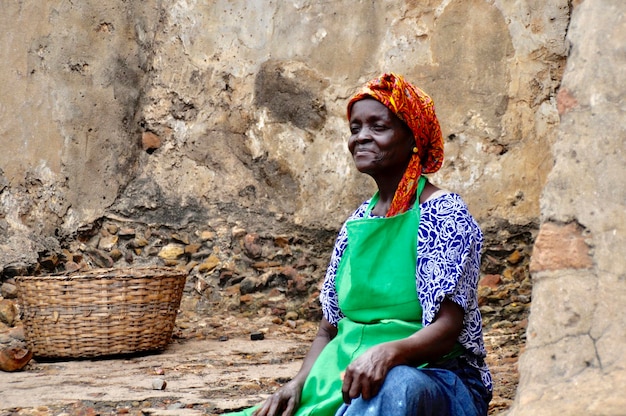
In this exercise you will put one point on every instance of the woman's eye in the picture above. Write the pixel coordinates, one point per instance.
(354, 129)
(379, 127)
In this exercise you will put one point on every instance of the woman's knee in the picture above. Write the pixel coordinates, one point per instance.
(405, 391)
(408, 380)
(413, 392)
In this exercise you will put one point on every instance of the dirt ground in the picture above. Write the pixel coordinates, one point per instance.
(211, 367)
(202, 376)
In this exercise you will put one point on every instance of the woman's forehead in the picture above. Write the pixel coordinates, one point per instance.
(369, 107)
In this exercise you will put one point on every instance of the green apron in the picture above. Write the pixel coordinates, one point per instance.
(376, 289)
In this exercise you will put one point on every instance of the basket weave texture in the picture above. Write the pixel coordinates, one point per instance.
(101, 311)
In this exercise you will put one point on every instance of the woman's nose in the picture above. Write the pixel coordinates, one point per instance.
(364, 134)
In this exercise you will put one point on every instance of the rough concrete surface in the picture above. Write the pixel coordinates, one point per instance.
(576, 344)
(207, 372)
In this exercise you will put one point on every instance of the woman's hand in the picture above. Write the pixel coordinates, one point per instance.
(284, 402)
(365, 375)
(287, 398)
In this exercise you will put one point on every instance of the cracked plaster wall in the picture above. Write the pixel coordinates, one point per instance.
(576, 344)
(247, 102)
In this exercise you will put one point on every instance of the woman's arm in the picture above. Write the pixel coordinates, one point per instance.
(366, 374)
(325, 333)
(287, 398)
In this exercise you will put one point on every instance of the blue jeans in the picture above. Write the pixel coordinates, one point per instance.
(454, 389)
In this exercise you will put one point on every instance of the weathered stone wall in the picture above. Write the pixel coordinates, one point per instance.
(189, 111)
(576, 352)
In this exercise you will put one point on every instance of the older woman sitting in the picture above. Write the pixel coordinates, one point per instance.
(401, 332)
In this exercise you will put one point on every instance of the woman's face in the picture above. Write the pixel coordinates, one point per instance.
(381, 144)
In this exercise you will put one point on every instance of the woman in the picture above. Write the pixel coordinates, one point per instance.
(401, 332)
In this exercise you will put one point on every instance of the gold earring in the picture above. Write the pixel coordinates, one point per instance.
(415, 149)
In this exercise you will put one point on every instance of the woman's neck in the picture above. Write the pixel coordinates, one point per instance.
(386, 192)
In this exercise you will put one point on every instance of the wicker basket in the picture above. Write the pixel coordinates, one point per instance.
(100, 312)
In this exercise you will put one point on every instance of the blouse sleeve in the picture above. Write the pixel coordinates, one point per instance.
(448, 266)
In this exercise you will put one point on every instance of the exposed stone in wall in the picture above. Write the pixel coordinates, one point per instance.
(575, 356)
(560, 247)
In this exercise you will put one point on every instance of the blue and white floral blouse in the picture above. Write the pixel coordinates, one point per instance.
(448, 265)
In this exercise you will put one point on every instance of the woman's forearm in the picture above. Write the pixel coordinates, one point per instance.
(433, 341)
(325, 334)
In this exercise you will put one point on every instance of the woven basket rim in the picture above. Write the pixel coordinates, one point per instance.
(111, 273)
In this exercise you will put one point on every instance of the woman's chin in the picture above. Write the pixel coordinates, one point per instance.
(367, 169)
(362, 160)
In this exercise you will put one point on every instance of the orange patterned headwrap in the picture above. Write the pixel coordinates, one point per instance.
(414, 107)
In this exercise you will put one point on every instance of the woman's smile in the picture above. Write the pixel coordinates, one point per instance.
(363, 151)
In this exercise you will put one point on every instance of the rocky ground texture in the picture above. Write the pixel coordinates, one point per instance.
(240, 285)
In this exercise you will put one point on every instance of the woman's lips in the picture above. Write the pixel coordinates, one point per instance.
(361, 151)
